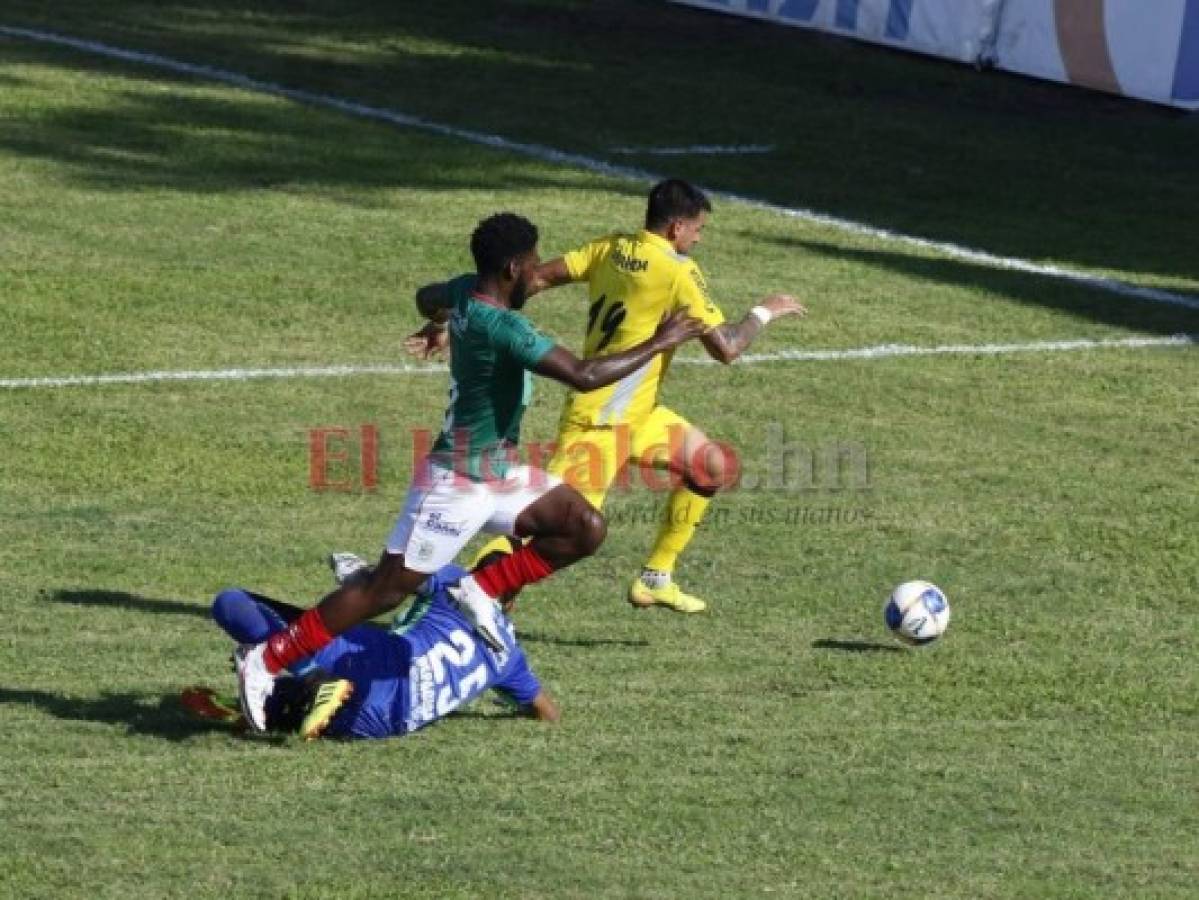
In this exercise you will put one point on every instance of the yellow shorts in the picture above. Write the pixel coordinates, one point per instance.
(591, 458)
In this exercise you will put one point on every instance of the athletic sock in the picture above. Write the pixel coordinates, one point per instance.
(303, 637)
(512, 572)
(683, 512)
(654, 578)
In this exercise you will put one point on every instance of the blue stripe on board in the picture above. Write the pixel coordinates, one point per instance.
(899, 19)
(799, 10)
(847, 14)
(1186, 73)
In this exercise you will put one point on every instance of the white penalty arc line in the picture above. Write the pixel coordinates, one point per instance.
(591, 164)
(883, 351)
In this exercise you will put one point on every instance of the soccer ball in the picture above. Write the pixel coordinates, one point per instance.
(917, 612)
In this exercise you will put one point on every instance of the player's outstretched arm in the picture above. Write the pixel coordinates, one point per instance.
(586, 375)
(725, 343)
(432, 339)
(544, 708)
(550, 274)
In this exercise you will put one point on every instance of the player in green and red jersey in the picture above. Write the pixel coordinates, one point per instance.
(468, 482)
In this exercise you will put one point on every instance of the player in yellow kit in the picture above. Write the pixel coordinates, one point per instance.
(634, 280)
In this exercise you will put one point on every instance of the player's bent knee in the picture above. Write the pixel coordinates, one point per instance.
(711, 469)
(227, 603)
(591, 532)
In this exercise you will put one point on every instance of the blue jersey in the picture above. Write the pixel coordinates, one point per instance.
(424, 668)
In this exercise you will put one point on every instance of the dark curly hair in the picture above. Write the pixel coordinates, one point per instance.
(499, 239)
(674, 199)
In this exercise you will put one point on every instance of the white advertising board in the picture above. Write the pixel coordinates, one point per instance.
(1147, 49)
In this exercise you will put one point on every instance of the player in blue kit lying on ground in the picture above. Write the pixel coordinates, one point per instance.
(375, 682)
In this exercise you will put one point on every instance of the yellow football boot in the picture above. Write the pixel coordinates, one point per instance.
(330, 697)
(669, 595)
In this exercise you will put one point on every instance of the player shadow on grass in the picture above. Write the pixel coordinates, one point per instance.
(153, 715)
(192, 140)
(540, 637)
(125, 600)
(855, 646)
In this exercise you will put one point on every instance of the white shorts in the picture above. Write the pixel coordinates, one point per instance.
(443, 511)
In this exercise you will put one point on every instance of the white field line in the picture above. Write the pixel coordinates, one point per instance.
(695, 150)
(60, 381)
(883, 351)
(891, 350)
(587, 163)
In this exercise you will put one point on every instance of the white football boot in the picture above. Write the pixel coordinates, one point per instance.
(480, 610)
(254, 684)
(348, 567)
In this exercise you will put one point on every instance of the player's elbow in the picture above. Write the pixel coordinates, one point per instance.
(721, 350)
(584, 380)
(427, 305)
(726, 356)
(424, 301)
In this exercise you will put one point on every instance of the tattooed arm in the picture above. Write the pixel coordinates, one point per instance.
(725, 343)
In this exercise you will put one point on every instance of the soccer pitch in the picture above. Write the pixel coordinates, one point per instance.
(782, 744)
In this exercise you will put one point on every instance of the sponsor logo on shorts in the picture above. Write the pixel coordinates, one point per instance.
(434, 522)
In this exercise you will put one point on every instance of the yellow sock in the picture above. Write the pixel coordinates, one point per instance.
(683, 512)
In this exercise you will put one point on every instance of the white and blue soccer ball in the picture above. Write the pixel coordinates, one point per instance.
(917, 612)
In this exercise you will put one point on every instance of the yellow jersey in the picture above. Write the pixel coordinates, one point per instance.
(634, 281)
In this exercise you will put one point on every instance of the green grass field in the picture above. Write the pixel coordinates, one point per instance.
(781, 744)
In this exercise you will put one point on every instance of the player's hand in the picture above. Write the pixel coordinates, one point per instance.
(431, 341)
(677, 328)
(783, 305)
